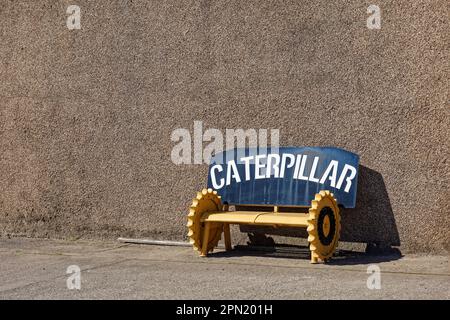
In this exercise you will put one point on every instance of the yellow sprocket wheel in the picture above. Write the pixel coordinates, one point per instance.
(324, 226)
(206, 201)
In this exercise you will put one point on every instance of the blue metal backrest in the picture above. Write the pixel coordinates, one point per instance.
(288, 176)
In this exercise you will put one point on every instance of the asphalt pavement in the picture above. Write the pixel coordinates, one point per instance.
(60, 269)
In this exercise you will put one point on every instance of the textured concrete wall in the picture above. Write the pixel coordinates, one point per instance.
(86, 115)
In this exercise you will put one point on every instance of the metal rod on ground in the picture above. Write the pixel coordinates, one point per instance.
(155, 242)
(158, 242)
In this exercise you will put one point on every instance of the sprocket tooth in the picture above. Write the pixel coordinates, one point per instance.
(312, 247)
(210, 190)
(190, 223)
(310, 228)
(199, 195)
(194, 203)
(204, 191)
(311, 238)
(323, 193)
(314, 204)
(318, 197)
(214, 192)
(312, 213)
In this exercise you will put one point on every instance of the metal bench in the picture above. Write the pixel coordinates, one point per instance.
(320, 179)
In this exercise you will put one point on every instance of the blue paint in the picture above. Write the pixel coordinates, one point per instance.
(233, 174)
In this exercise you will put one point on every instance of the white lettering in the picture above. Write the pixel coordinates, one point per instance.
(347, 179)
(283, 165)
(275, 165)
(232, 172)
(259, 166)
(301, 175)
(217, 168)
(246, 161)
(332, 166)
(313, 170)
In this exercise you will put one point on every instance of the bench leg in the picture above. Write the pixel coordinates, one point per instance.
(205, 239)
(227, 236)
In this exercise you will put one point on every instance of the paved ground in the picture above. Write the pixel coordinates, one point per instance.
(36, 269)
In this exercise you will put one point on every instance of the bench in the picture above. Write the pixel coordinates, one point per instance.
(321, 180)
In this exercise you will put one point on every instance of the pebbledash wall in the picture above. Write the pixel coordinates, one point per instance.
(87, 115)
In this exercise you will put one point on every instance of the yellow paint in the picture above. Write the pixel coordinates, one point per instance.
(205, 201)
(208, 218)
(285, 219)
(237, 217)
(320, 251)
(326, 226)
(254, 217)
